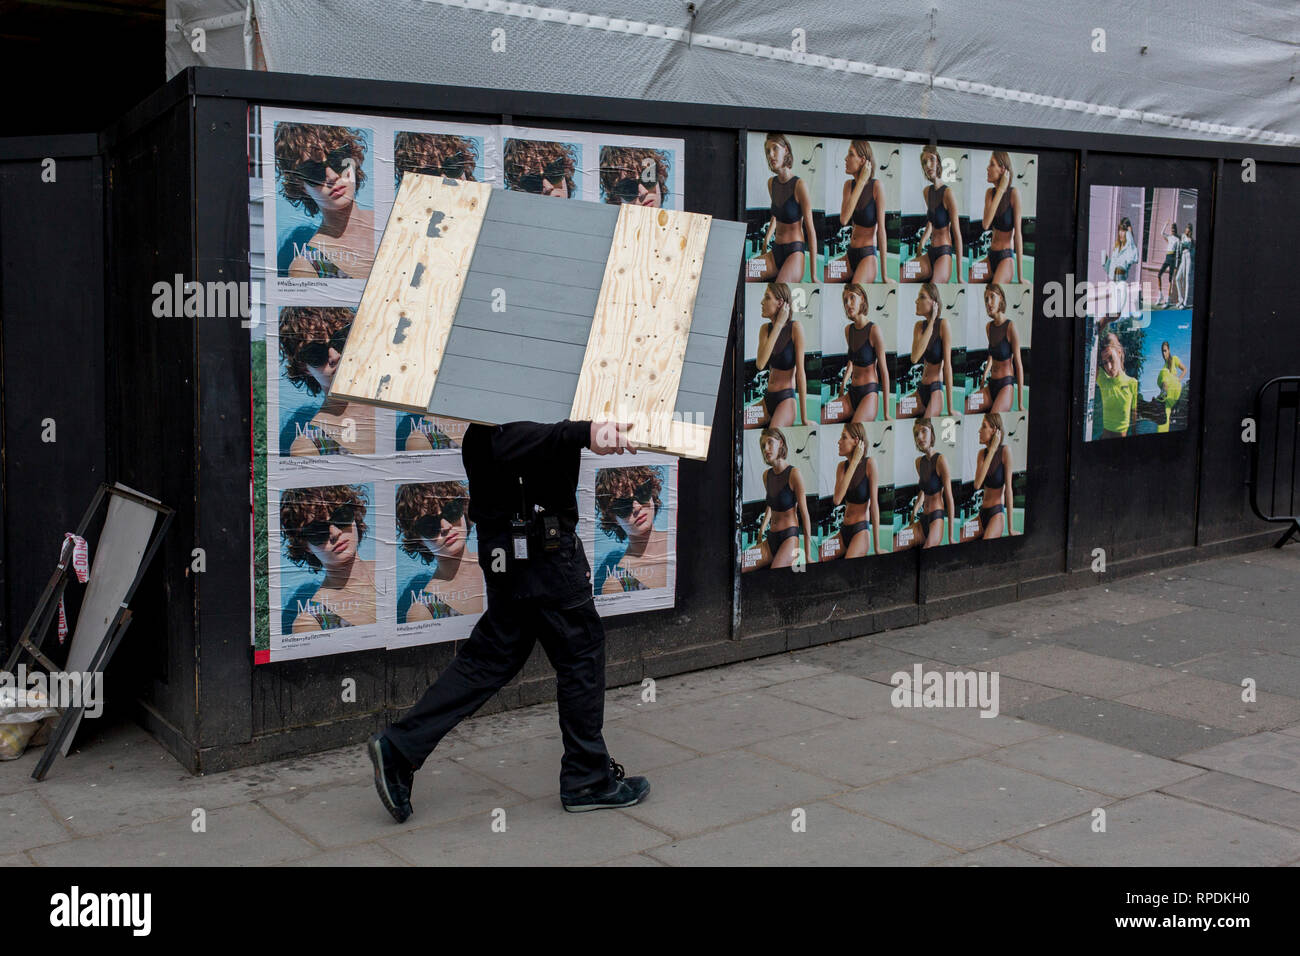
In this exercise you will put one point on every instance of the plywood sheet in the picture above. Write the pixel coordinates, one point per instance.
(637, 347)
(400, 331)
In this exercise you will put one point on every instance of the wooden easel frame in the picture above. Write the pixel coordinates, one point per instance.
(38, 624)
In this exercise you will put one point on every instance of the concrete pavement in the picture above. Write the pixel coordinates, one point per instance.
(1120, 707)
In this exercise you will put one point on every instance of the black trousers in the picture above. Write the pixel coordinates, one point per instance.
(573, 638)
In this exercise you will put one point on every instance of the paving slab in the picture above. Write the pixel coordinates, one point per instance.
(1093, 765)
(833, 837)
(715, 791)
(1216, 703)
(1126, 726)
(1000, 731)
(840, 694)
(1273, 673)
(971, 803)
(1169, 641)
(26, 822)
(952, 645)
(1249, 798)
(15, 859)
(719, 681)
(1248, 572)
(1158, 830)
(735, 720)
(352, 812)
(861, 658)
(532, 767)
(538, 833)
(999, 854)
(367, 854)
(135, 787)
(1078, 671)
(633, 859)
(245, 835)
(1027, 620)
(1276, 605)
(1018, 694)
(858, 752)
(1112, 605)
(1269, 758)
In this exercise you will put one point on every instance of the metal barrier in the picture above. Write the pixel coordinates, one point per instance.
(1282, 453)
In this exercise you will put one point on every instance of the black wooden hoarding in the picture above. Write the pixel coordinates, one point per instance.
(177, 411)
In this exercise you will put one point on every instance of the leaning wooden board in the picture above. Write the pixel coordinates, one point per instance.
(526, 322)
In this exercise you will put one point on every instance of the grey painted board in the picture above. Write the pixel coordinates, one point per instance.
(715, 303)
(560, 215)
(510, 378)
(517, 349)
(535, 323)
(523, 293)
(537, 266)
(520, 238)
(493, 407)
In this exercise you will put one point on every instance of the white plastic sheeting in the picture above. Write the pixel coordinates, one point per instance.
(1182, 68)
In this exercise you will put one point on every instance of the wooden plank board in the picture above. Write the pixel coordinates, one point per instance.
(634, 357)
(400, 331)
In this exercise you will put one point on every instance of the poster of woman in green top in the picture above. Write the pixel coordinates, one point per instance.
(1138, 354)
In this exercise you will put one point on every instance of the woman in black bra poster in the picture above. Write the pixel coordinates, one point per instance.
(1005, 260)
(780, 344)
(933, 514)
(863, 389)
(932, 342)
(937, 247)
(783, 188)
(861, 203)
(1004, 372)
(857, 488)
(780, 473)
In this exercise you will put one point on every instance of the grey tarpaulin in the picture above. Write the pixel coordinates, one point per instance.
(1210, 70)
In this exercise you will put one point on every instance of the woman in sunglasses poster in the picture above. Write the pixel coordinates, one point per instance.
(328, 581)
(325, 218)
(437, 563)
(639, 172)
(543, 167)
(447, 155)
(631, 529)
(312, 423)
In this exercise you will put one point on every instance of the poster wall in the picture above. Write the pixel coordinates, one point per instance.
(361, 532)
(888, 330)
(1138, 341)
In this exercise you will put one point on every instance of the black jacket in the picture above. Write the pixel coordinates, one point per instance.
(546, 458)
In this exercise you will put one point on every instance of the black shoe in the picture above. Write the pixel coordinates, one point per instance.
(393, 776)
(622, 792)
